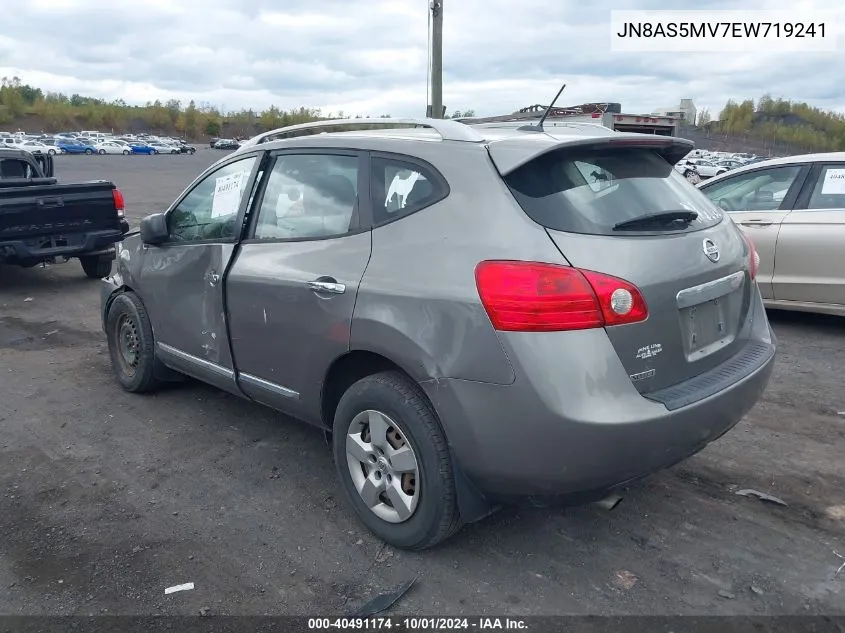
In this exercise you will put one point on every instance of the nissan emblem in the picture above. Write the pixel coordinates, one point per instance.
(711, 250)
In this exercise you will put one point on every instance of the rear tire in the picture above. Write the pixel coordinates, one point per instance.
(96, 266)
(102, 152)
(131, 344)
(392, 402)
(51, 152)
(126, 152)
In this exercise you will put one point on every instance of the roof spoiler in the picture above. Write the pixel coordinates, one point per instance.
(509, 154)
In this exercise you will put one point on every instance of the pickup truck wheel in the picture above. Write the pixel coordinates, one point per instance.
(393, 462)
(131, 344)
(96, 267)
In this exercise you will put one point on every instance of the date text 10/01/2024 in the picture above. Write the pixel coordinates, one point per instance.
(417, 624)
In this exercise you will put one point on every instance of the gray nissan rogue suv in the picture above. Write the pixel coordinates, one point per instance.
(478, 314)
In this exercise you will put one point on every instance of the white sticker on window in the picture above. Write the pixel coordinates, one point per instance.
(227, 194)
(834, 182)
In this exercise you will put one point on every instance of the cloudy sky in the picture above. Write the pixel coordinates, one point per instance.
(370, 56)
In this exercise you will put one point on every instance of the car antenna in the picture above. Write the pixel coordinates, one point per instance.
(538, 127)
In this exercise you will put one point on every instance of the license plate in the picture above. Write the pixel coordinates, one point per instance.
(706, 324)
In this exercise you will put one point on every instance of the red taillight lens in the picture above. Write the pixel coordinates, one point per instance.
(538, 297)
(119, 202)
(753, 258)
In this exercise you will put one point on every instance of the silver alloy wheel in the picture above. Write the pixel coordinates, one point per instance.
(383, 466)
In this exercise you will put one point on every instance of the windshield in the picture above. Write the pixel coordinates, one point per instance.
(592, 191)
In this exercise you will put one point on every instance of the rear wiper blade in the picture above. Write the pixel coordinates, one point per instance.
(664, 219)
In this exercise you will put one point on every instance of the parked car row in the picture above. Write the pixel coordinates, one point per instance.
(95, 143)
(701, 164)
(224, 143)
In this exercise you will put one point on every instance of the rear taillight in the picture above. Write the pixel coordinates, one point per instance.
(119, 202)
(753, 258)
(537, 297)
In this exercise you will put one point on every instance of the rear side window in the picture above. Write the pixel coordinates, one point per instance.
(309, 196)
(829, 192)
(15, 168)
(403, 187)
(591, 191)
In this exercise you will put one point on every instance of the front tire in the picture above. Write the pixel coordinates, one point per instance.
(394, 463)
(693, 177)
(155, 151)
(51, 152)
(131, 344)
(96, 267)
(89, 151)
(126, 152)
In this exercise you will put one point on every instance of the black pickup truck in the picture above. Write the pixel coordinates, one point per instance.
(44, 221)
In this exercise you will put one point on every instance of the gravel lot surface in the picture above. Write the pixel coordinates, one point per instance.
(107, 498)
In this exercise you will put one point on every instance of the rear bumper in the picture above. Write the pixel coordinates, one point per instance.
(74, 245)
(573, 425)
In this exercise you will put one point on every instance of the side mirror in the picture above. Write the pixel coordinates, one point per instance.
(154, 229)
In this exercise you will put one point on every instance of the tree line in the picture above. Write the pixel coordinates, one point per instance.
(777, 122)
(57, 112)
(780, 122)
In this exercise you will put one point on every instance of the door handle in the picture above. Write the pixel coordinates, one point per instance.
(327, 286)
(756, 223)
(212, 278)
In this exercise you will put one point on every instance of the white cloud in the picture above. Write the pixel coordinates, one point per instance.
(370, 56)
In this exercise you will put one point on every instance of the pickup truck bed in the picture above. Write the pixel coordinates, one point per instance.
(42, 220)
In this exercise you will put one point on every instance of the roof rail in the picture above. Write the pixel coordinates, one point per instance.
(448, 129)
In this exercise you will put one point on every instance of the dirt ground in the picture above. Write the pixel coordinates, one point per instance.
(107, 498)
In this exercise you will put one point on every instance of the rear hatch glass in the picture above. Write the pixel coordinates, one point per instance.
(595, 191)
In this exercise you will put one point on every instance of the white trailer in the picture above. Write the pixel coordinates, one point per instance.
(638, 123)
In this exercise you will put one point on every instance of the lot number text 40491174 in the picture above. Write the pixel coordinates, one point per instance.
(418, 624)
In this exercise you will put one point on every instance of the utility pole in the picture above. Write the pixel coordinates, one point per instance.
(436, 8)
